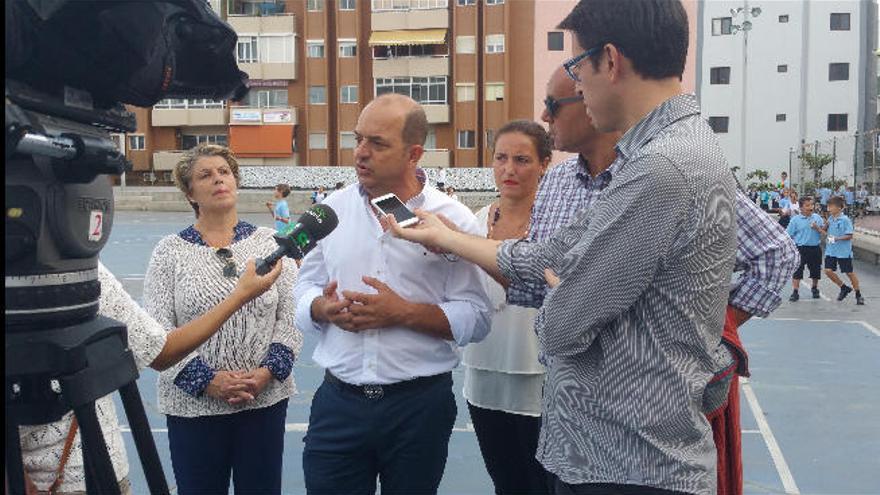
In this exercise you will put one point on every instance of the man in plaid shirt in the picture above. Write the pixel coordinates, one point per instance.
(765, 256)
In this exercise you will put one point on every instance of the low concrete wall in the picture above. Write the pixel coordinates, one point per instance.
(866, 246)
(249, 200)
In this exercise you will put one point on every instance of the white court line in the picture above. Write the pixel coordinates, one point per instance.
(775, 452)
(871, 328)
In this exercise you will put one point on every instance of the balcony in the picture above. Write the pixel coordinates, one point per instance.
(262, 116)
(437, 114)
(411, 66)
(266, 70)
(166, 160)
(413, 18)
(162, 117)
(435, 158)
(260, 17)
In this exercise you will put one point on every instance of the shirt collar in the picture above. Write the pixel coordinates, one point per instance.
(242, 230)
(671, 110)
(416, 201)
(583, 171)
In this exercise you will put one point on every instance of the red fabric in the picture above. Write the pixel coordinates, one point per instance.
(725, 421)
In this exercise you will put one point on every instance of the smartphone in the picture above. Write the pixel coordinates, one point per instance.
(390, 204)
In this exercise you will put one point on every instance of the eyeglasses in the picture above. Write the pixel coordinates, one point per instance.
(571, 65)
(553, 105)
(230, 270)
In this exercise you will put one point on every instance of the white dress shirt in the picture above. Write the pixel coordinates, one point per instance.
(359, 247)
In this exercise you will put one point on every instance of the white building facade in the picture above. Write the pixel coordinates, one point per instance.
(802, 73)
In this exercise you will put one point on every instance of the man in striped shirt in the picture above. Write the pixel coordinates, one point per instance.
(631, 333)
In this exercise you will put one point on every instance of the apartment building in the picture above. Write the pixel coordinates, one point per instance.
(780, 78)
(314, 64)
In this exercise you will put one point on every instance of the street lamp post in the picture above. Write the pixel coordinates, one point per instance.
(745, 27)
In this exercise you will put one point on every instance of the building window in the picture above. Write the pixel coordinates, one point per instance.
(838, 72)
(347, 48)
(465, 92)
(783, 18)
(191, 141)
(782, 68)
(721, 26)
(379, 5)
(136, 142)
(315, 6)
(317, 95)
(719, 75)
(490, 138)
(425, 90)
(266, 98)
(247, 50)
(780, 117)
(467, 140)
(495, 91)
(347, 141)
(495, 43)
(466, 3)
(719, 124)
(431, 138)
(348, 94)
(840, 22)
(837, 122)
(494, 2)
(465, 44)
(347, 4)
(315, 49)
(276, 49)
(555, 41)
(318, 141)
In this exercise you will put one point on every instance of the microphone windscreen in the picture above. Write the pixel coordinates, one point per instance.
(319, 221)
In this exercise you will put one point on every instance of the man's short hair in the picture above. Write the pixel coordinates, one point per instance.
(415, 124)
(652, 34)
(836, 201)
(805, 200)
(284, 189)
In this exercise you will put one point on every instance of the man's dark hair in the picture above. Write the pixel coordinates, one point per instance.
(652, 34)
(805, 200)
(284, 189)
(415, 126)
(837, 201)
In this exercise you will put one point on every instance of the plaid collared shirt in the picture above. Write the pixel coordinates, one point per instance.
(766, 256)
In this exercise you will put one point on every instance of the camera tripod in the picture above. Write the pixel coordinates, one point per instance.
(50, 372)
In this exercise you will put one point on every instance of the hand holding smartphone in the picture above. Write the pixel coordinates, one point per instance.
(390, 204)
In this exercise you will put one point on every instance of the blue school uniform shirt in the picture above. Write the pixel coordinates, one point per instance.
(799, 229)
(849, 197)
(824, 194)
(281, 210)
(839, 226)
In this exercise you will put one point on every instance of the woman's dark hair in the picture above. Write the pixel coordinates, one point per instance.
(652, 34)
(540, 138)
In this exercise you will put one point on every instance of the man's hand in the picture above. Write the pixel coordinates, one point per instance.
(552, 279)
(330, 308)
(431, 232)
(381, 310)
(250, 285)
(257, 380)
(228, 386)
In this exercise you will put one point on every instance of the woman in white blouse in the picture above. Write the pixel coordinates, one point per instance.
(43, 446)
(226, 403)
(503, 378)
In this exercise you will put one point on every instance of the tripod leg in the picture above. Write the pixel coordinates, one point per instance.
(143, 439)
(14, 469)
(100, 477)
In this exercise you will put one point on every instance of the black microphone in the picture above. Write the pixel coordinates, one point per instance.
(298, 239)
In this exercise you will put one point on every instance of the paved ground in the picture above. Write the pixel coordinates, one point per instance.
(809, 411)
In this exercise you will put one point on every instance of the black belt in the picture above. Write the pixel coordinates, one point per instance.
(378, 391)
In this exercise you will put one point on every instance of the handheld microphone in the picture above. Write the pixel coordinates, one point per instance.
(298, 239)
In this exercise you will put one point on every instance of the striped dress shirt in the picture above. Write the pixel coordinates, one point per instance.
(630, 333)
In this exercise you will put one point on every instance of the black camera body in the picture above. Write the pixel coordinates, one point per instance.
(70, 67)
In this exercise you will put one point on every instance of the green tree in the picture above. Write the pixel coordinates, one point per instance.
(816, 163)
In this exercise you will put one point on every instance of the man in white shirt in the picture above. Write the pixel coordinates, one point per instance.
(391, 316)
